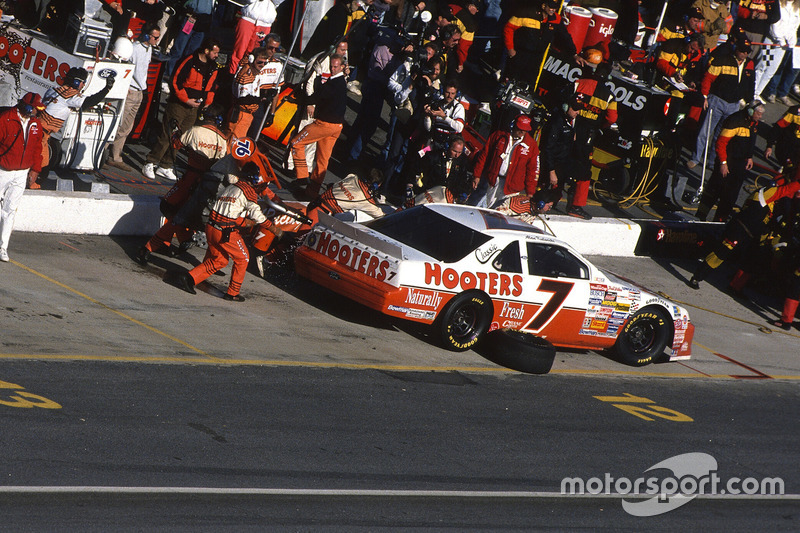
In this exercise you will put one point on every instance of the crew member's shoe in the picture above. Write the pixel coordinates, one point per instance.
(118, 164)
(142, 256)
(4, 255)
(166, 173)
(233, 297)
(149, 171)
(693, 283)
(165, 87)
(185, 282)
(785, 100)
(786, 326)
(578, 212)
(690, 164)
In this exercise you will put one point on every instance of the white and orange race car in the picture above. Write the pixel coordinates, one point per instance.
(469, 271)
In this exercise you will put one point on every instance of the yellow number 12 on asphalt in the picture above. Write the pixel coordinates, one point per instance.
(26, 400)
(628, 403)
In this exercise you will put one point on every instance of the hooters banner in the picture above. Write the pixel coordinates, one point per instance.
(29, 63)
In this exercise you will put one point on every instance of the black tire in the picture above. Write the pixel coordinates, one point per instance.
(615, 179)
(464, 320)
(644, 337)
(518, 351)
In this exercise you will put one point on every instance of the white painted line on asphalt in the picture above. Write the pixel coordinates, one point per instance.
(364, 493)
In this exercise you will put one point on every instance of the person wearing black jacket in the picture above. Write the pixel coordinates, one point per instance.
(327, 108)
(447, 167)
(566, 155)
(734, 148)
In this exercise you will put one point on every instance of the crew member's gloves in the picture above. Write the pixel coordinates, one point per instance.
(110, 82)
(718, 26)
(278, 232)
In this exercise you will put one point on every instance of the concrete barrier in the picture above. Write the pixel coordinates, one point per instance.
(88, 213)
(120, 214)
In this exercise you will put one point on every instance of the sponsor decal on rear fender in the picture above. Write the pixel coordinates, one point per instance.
(354, 257)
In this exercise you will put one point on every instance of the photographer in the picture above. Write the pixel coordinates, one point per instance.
(413, 87)
(444, 119)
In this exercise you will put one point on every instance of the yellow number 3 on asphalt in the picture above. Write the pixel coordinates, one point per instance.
(24, 399)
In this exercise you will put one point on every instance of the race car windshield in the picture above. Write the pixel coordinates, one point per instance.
(431, 233)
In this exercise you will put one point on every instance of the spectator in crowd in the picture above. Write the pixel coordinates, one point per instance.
(190, 36)
(717, 21)
(729, 80)
(734, 157)
(256, 17)
(508, 164)
(59, 100)
(193, 87)
(206, 144)
(383, 62)
(142, 53)
(448, 40)
(327, 107)
(20, 160)
(255, 82)
(782, 36)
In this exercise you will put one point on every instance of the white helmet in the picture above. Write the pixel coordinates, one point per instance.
(122, 49)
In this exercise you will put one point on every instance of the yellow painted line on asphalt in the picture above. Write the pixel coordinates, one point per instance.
(108, 308)
(210, 360)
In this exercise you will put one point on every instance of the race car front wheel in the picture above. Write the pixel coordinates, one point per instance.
(464, 319)
(644, 337)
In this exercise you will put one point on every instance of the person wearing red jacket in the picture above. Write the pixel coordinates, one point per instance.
(20, 160)
(464, 15)
(508, 164)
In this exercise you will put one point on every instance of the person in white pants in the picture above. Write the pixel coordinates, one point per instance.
(20, 160)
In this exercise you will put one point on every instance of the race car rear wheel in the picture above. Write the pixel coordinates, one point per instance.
(644, 337)
(464, 320)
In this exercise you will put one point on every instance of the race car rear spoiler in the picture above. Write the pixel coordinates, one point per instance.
(359, 235)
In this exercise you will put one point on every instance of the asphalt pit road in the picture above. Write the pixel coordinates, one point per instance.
(436, 378)
(208, 431)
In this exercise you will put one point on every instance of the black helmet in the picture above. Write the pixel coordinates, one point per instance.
(250, 173)
(75, 76)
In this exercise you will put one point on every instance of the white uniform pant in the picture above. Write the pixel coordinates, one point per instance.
(12, 185)
(495, 195)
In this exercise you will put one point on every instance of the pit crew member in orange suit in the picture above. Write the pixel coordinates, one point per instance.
(531, 28)
(328, 104)
(20, 160)
(746, 226)
(734, 148)
(235, 209)
(263, 74)
(205, 144)
(508, 164)
(359, 190)
(60, 100)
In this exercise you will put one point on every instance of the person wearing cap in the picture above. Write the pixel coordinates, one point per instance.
(527, 34)
(730, 78)
(691, 23)
(20, 160)
(508, 164)
(675, 58)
